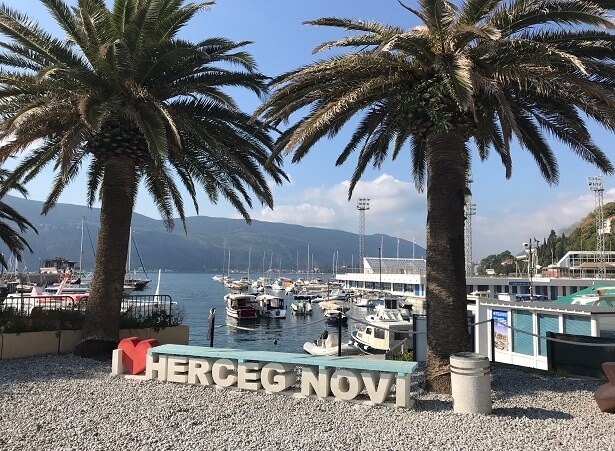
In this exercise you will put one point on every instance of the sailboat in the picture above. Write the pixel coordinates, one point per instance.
(138, 283)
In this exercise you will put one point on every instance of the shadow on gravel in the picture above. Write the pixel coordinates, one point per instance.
(532, 414)
(432, 405)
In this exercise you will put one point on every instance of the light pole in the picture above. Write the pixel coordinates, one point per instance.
(530, 248)
(380, 266)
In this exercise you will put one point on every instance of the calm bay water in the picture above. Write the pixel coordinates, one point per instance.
(198, 293)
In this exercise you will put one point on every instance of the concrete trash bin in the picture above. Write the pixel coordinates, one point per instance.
(470, 383)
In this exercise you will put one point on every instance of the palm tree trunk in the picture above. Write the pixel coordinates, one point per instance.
(447, 327)
(102, 321)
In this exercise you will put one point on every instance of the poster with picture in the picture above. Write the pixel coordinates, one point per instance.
(501, 329)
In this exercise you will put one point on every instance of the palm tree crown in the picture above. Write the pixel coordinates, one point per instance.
(13, 239)
(122, 83)
(124, 95)
(486, 71)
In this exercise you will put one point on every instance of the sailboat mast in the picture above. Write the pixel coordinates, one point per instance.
(249, 261)
(129, 246)
(81, 250)
(223, 257)
(264, 252)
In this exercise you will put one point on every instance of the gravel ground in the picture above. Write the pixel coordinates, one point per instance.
(63, 402)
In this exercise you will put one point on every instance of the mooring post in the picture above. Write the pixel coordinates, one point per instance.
(492, 340)
(212, 318)
(339, 334)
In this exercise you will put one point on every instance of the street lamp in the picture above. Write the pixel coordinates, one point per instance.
(530, 249)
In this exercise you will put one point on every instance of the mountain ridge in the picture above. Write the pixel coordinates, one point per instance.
(260, 245)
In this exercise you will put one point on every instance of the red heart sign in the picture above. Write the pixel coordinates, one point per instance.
(134, 352)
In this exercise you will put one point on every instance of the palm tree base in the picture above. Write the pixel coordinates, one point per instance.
(439, 384)
(96, 348)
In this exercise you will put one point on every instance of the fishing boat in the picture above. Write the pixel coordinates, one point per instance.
(270, 306)
(328, 344)
(384, 332)
(241, 305)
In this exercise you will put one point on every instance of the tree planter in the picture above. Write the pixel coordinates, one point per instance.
(27, 344)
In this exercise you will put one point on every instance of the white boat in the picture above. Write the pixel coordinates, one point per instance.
(364, 301)
(241, 305)
(328, 344)
(386, 331)
(301, 307)
(333, 295)
(260, 284)
(334, 316)
(38, 298)
(281, 283)
(338, 305)
(270, 306)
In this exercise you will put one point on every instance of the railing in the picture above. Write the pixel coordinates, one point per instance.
(37, 313)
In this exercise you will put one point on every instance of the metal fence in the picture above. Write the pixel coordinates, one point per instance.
(25, 313)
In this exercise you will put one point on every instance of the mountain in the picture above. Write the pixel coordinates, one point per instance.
(206, 246)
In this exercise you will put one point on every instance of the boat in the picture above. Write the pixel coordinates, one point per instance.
(341, 306)
(333, 295)
(241, 305)
(328, 344)
(281, 283)
(334, 316)
(384, 332)
(270, 306)
(38, 298)
(364, 301)
(260, 284)
(139, 283)
(301, 307)
(304, 296)
(239, 285)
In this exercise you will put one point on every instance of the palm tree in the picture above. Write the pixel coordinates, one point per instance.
(487, 71)
(13, 240)
(123, 95)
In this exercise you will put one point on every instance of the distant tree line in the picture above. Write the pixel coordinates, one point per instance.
(579, 237)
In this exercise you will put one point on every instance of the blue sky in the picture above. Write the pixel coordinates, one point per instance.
(508, 212)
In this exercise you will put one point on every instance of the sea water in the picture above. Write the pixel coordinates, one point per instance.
(196, 294)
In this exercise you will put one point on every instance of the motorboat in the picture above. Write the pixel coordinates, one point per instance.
(334, 316)
(328, 344)
(241, 305)
(38, 298)
(270, 306)
(301, 307)
(333, 295)
(364, 301)
(341, 306)
(239, 285)
(281, 283)
(384, 332)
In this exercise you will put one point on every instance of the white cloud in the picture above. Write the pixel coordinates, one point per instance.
(396, 208)
(494, 234)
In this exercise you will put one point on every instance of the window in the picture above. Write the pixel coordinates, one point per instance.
(546, 323)
(577, 325)
(523, 342)
(379, 333)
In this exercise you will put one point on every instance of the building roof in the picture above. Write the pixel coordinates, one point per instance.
(396, 265)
